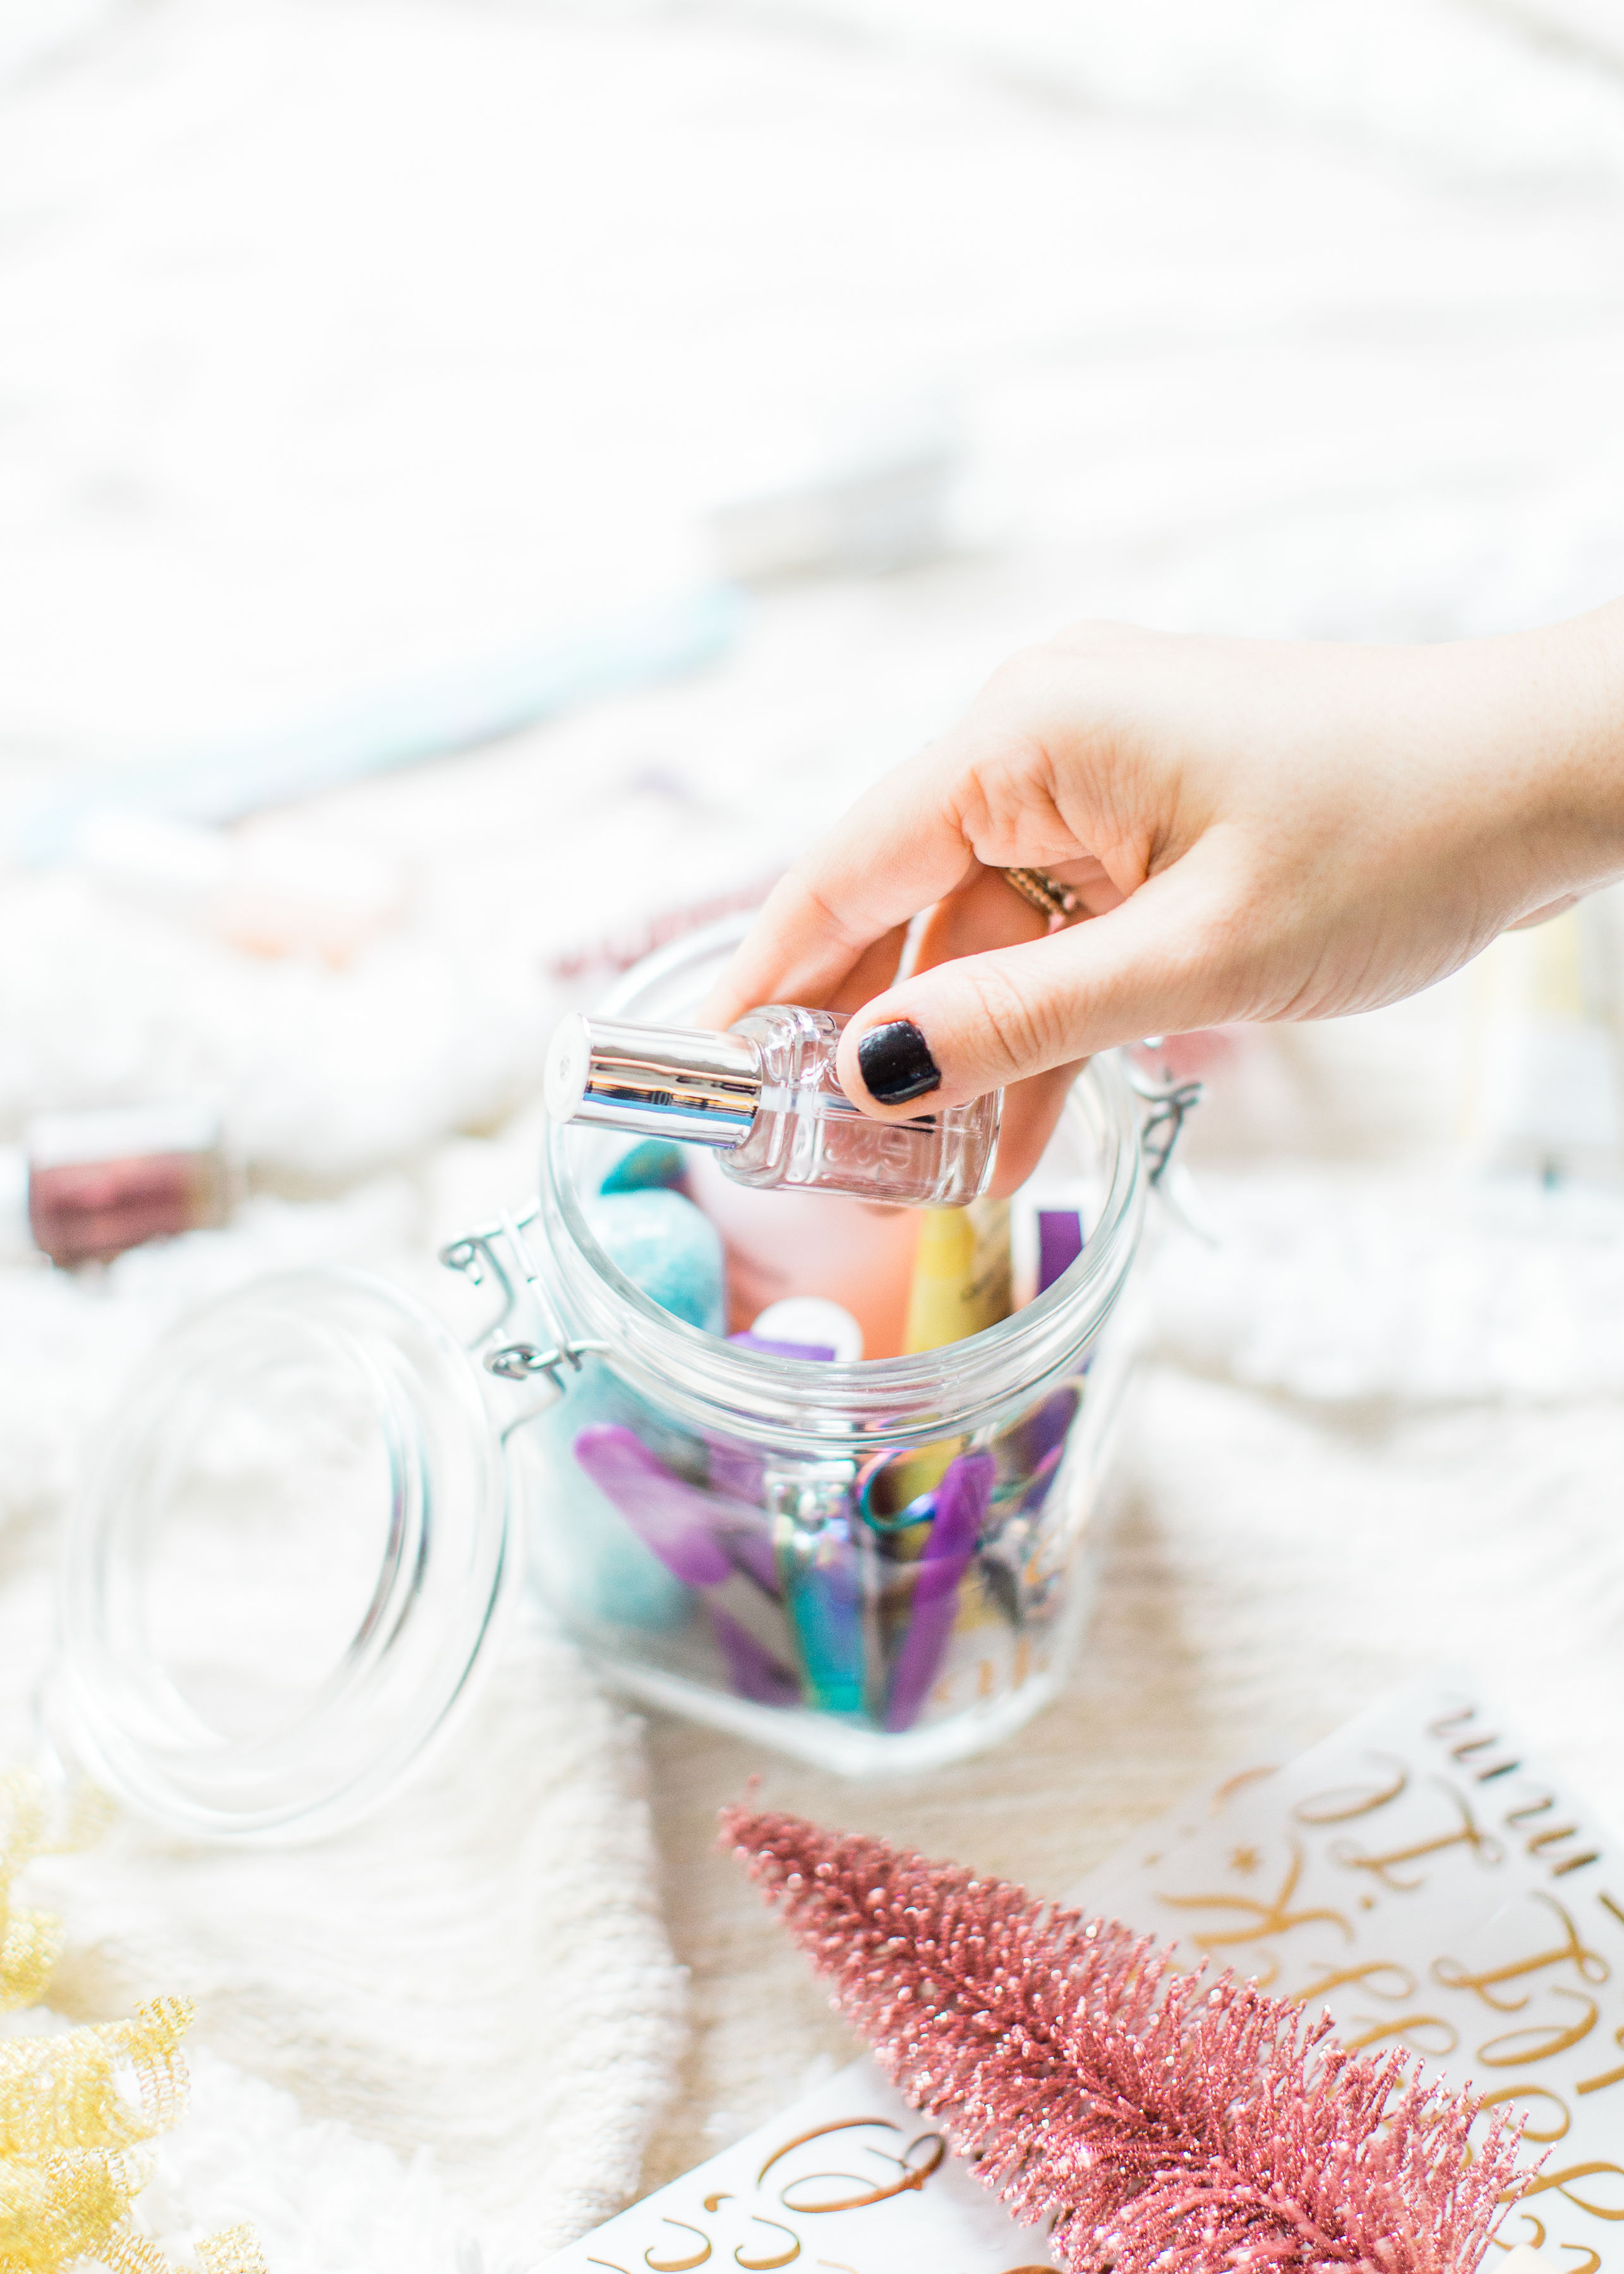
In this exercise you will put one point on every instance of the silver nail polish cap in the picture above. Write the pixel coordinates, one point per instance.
(694, 1085)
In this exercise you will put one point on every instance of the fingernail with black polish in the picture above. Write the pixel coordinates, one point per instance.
(897, 1064)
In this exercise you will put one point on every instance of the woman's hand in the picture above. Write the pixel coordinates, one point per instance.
(1251, 831)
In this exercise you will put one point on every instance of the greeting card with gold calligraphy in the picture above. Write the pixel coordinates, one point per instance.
(850, 2180)
(1415, 1875)
(1420, 1879)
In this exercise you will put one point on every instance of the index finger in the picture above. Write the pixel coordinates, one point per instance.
(897, 850)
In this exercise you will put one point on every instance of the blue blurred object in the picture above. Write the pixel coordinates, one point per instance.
(652, 1163)
(454, 711)
(820, 1586)
(597, 1564)
(672, 1250)
(691, 1530)
(668, 1248)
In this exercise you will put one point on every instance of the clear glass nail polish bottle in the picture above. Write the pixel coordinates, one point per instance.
(763, 1095)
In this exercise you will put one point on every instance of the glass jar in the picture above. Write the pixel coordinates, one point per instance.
(309, 1510)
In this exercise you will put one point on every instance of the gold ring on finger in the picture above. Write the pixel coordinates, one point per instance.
(1040, 890)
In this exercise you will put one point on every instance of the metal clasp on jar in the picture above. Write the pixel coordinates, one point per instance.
(525, 1342)
(1169, 1100)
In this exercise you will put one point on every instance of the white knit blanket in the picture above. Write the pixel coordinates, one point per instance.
(343, 340)
(448, 2029)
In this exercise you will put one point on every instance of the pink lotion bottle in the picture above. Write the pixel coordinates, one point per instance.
(763, 1096)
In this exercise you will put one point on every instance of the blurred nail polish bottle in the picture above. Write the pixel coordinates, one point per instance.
(764, 1097)
(107, 1180)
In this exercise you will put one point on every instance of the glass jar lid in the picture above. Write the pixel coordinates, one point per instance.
(284, 1562)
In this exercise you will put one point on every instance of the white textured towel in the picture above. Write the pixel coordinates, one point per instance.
(473, 1986)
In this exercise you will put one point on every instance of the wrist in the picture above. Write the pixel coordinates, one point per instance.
(1559, 698)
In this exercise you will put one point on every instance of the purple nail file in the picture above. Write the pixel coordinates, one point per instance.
(962, 1499)
(1060, 1243)
(753, 1672)
(1024, 1448)
(738, 1474)
(767, 1348)
(679, 1523)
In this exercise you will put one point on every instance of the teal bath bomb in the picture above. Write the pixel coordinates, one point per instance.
(590, 1562)
(587, 1557)
(652, 1164)
(669, 1248)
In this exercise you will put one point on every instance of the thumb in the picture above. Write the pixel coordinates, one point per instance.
(1167, 960)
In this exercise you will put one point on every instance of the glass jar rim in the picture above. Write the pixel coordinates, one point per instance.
(818, 1406)
(109, 1707)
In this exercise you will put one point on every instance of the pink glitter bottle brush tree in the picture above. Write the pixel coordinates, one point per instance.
(1155, 2119)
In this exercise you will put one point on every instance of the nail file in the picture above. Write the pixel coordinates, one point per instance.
(810, 1511)
(961, 1502)
(1060, 1243)
(680, 1523)
(812, 1319)
(764, 1347)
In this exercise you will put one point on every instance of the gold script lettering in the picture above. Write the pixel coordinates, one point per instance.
(1538, 2242)
(1551, 1837)
(1411, 2028)
(1462, 1719)
(913, 2175)
(759, 2265)
(1227, 1791)
(1532, 2092)
(679, 2266)
(1343, 1802)
(822, 2131)
(1483, 1845)
(1367, 1976)
(1537, 2044)
(1608, 2076)
(1591, 1965)
(1261, 1918)
(1542, 2182)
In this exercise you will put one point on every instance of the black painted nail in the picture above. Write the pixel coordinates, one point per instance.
(897, 1064)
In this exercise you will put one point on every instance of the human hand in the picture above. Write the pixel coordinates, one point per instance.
(1252, 830)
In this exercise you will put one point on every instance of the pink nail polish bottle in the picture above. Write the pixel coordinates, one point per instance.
(104, 1181)
(764, 1097)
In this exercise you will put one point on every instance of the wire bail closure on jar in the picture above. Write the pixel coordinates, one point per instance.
(500, 1252)
(1170, 1103)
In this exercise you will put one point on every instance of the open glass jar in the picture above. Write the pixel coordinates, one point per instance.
(304, 1518)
